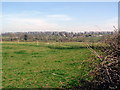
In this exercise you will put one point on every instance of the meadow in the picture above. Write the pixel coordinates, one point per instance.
(46, 65)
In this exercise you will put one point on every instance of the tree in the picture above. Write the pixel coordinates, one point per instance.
(25, 37)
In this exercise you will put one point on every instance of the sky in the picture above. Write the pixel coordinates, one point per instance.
(59, 16)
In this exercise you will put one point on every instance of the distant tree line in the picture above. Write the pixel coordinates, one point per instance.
(55, 36)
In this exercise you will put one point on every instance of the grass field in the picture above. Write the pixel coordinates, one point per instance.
(47, 65)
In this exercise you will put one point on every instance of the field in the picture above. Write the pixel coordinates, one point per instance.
(46, 65)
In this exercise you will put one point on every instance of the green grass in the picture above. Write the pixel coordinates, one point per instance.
(47, 65)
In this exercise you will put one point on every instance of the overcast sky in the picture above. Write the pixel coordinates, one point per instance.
(59, 16)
